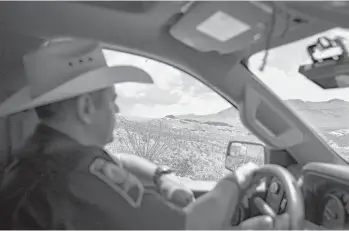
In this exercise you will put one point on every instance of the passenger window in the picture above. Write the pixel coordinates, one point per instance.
(178, 121)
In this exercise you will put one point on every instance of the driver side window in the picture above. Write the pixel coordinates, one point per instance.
(178, 121)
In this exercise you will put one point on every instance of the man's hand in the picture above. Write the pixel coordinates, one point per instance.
(232, 187)
(174, 191)
(243, 176)
(214, 210)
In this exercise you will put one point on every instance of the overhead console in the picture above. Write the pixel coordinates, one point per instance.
(230, 26)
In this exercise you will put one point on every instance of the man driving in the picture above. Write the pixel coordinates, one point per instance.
(63, 179)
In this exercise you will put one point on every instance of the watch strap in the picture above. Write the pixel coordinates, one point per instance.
(159, 172)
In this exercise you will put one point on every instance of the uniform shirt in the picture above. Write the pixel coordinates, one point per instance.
(56, 183)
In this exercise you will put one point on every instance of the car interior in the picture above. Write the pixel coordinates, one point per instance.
(212, 41)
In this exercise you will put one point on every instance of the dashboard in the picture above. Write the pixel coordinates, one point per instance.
(325, 189)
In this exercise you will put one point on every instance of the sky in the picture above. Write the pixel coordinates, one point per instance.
(175, 92)
(281, 73)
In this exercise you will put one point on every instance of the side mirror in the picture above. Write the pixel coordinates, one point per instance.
(241, 152)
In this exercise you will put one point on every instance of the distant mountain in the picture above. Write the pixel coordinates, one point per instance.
(135, 118)
(229, 116)
(332, 114)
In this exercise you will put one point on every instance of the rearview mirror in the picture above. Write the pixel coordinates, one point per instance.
(241, 152)
(331, 70)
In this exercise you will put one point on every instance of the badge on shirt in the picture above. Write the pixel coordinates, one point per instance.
(123, 182)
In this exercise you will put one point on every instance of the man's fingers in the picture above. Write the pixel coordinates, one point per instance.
(260, 223)
(247, 169)
(244, 174)
(182, 198)
(172, 189)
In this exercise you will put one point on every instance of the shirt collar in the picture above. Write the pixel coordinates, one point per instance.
(50, 140)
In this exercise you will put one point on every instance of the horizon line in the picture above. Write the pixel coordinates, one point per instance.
(176, 115)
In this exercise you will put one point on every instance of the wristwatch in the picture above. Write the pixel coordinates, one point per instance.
(159, 172)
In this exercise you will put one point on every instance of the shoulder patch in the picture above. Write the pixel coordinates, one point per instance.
(120, 180)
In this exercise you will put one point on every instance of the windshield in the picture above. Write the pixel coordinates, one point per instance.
(326, 111)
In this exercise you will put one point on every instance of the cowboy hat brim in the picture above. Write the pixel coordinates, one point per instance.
(88, 82)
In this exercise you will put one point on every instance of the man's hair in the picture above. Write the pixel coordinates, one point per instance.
(56, 110)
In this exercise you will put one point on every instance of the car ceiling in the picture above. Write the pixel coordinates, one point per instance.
(24, 25)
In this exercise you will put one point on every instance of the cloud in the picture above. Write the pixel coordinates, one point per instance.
(197, 105)
(188, 103)
(174, 92)
(166, 79)
(150, 95)
(163, 75)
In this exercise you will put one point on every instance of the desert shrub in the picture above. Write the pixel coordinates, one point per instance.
(199, 156)
(148, 142)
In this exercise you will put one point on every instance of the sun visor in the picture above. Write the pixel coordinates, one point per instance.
(226, 26)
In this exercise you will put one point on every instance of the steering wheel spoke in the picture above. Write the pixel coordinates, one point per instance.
(280, 222)
(264, 208)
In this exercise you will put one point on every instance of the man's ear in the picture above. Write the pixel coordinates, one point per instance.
(85, 108)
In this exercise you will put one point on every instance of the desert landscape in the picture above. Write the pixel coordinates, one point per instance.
(195, 145)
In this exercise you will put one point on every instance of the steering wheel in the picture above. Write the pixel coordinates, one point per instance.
(294, 214)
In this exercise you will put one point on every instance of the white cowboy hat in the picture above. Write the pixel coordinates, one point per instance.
(63, 69)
